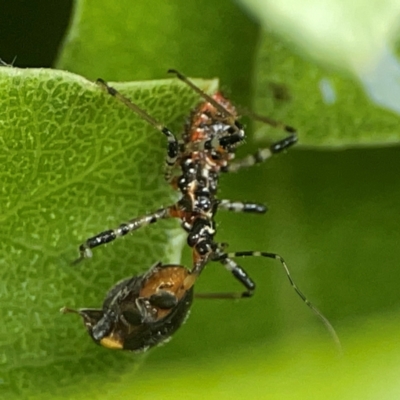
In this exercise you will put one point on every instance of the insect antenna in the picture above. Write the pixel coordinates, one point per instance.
(231, 118)
(267, 120)
(274, 256)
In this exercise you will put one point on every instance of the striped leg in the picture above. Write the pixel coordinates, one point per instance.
(262, 154)
(239, 206)
(173, 145)
(125, 228)
(241, 275)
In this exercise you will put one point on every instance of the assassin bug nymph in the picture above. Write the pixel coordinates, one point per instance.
(193, 166)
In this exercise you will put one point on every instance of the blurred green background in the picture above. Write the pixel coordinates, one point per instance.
(328, 68)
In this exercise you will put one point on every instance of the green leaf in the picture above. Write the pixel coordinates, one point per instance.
(135, 40)
(349, 35)
(75, 162)
(292, 367)
(334, 76)
(329, 109)
(332, 216)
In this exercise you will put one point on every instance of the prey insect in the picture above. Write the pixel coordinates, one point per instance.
(142, 311)
(146, 310)
(194, 164)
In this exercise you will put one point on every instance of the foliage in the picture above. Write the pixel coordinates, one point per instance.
(75, 162)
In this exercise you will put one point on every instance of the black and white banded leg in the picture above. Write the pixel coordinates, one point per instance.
(85, 249)
(240, 274)
(173, 144)
(240, 206)
(262, 154)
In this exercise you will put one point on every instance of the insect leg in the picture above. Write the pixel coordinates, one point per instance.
(240, 274)
(173, 144)
(239, 206)
(230, 264)
(262, 154)
(125, 228)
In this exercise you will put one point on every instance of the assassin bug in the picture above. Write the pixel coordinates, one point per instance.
(206, 150)
(193, 166)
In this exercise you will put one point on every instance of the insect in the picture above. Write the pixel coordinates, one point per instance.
(194, 164)
(193, 167)
(146, 310)
(142, 311)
